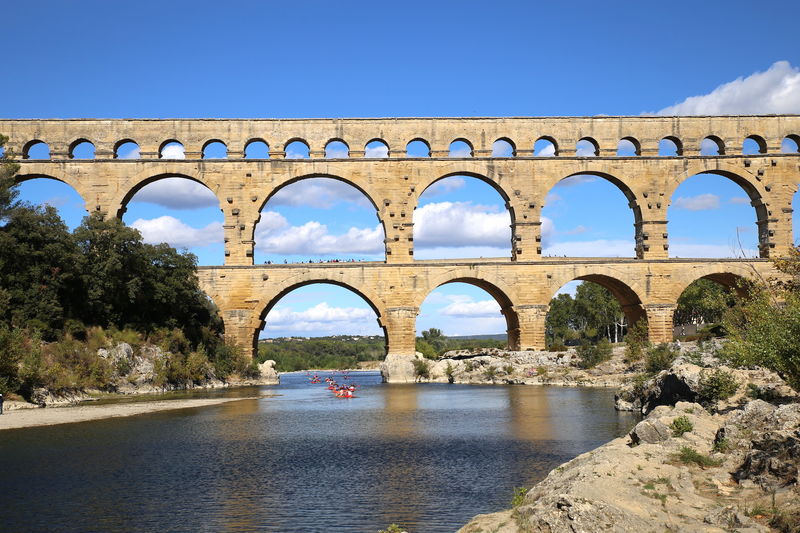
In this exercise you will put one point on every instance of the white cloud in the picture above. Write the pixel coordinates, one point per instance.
(485, 308)
(445, 186)
(376, 150)
(740, 200)
(134, 153)
(460, 149)
(177, 193)
(338, 151)
(776, 90)
(549, 150)
(585, 149)
(709, 147)
(578, 179)
(701, 202)
(275, 235)
(175, 233)
(173, 151)
(321, 193)
(455, 224)
(322, 317)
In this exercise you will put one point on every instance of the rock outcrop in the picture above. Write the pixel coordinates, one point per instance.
(712, 477)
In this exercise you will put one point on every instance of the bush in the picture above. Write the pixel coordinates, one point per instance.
(509, 369)
(636, 341)
(557, 346)
(591, 355)
(659, 358)
(681, 425)
(422, 369)
(490, 372)
(716, 385)
(425, 348)
(519, 496)
(450, 371)
(689, 455)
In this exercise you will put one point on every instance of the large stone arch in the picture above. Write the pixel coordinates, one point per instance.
(423, 184)
(750, 184)
(129, 188)
(83, 191)
(497, 289)
(628, 292)
(729, 275)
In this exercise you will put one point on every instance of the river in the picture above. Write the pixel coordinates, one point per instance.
(426, 456)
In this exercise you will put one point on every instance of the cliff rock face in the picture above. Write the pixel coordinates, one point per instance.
(710, 478)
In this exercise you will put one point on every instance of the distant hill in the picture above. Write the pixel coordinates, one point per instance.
(494, 337)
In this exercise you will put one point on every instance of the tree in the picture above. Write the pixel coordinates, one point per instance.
(600, 310)
(560, 321)
(702, 302)
(8, 191)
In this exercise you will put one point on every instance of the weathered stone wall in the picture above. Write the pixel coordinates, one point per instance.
(523, 284)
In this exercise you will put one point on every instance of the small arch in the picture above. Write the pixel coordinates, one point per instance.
(629, 147)
(171, 149)
(36, 149)
(81, 149)
(790, 144)
(587, 147)
(296, 149)
(418, 148)
(711, 146)
(504, 147)
(461, 148)
(754, 144)
(126, 149)
(670, 147)
(215, 149)
(256, 149)
(376, 148)
(545, 147)
(337, 149)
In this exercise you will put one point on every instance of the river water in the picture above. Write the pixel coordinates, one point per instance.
(426, 456)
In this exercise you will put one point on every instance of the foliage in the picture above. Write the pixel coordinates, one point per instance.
(557, 346)
(422, 369)
(592, 314)
(659, 358)
(716, 385)
(339, 352)
(590, 355)
(393, 528)
(636, 341)
(681, 425)
(703, 302)
(722, 445)
(519, 496)
(688, 455)
(425, 348)
(508, 369)
(450, 372)
(490, 372)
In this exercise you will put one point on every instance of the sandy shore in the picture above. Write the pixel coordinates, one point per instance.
(23, 418)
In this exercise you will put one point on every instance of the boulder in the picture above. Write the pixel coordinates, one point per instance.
(650, 431)
(269, 376)
(398, 368)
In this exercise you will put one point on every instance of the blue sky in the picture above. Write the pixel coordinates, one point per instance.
(359, 59)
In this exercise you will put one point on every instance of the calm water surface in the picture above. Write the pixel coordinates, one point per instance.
(426, 456)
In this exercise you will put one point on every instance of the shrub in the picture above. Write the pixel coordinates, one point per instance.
(490, 372)
(681, 425)
(450, 371)
(469, 366)
(636, 341)
(659, 358)
(519, 496)
(425, 348)
(722, 446)
(689, 455)
(766, 393)
(557, 346)
(422, 369)
(590, 355)
(509, 369)
(717, 385)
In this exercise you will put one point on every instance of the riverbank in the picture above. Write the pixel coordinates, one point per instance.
(33, 416)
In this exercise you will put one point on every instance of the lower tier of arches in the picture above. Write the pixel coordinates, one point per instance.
(645, 290)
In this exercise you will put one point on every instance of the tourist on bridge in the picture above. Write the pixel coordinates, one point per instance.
(1, 404)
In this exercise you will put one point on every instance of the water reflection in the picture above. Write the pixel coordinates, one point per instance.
(429, 457)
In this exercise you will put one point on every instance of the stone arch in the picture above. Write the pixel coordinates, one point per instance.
(134, 185)
(122, 142)
(165, 144)
(252, 141)
(674, 140)
(30, 144)
(626, 292)
(79, 142)
(301, 142)
(85, 194)
(330, 145)
(751, 186)
(716, 140)
(461, 140)
(759, 141)
(637, 146)
(377, 144)
(793, 139)
(548, 139)
(587, 141)
(208, 144)
(418, 140)
(497, 289)
(311, 277)
(504, 142)
(731, 276)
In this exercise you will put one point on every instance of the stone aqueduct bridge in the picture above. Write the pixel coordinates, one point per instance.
(647, 285)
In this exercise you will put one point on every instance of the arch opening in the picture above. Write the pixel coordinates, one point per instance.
(545, 147)
(172, 150)
(712, 215)
(628, 147)
(337, 149)
(590, 215)
(180, 211)
(466, 307)
(376, 148)
(215, 150)
(256, 149)
(587, 147)
(462, 216)
(461, 148)
(127, 149)
(670, 147)
(418, 148)
(503, 148)
(703, 303)
(36, 149)
(81, 149)
(297, 149)
(711, 146)
(753, 145)
(318, 219)
(50, 191)
(339, 325)
(790, 144)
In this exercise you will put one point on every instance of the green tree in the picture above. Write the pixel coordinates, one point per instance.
(600, 311)
(702, 302)
(560, 322)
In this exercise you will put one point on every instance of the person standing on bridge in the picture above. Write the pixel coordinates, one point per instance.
(1, 404)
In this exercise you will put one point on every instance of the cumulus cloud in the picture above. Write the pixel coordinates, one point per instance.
(777, 90)
(274, 235)
(739, 200)
(175, 233)
(485, 308)
(460, 149)
(445, 186)
(321, 318)
(454, 224)
(132, 153)
(547, 150)
(701, 202)
(321, 193)
(177, 193)
(585, 149)
(173, 151)
(376, 150)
